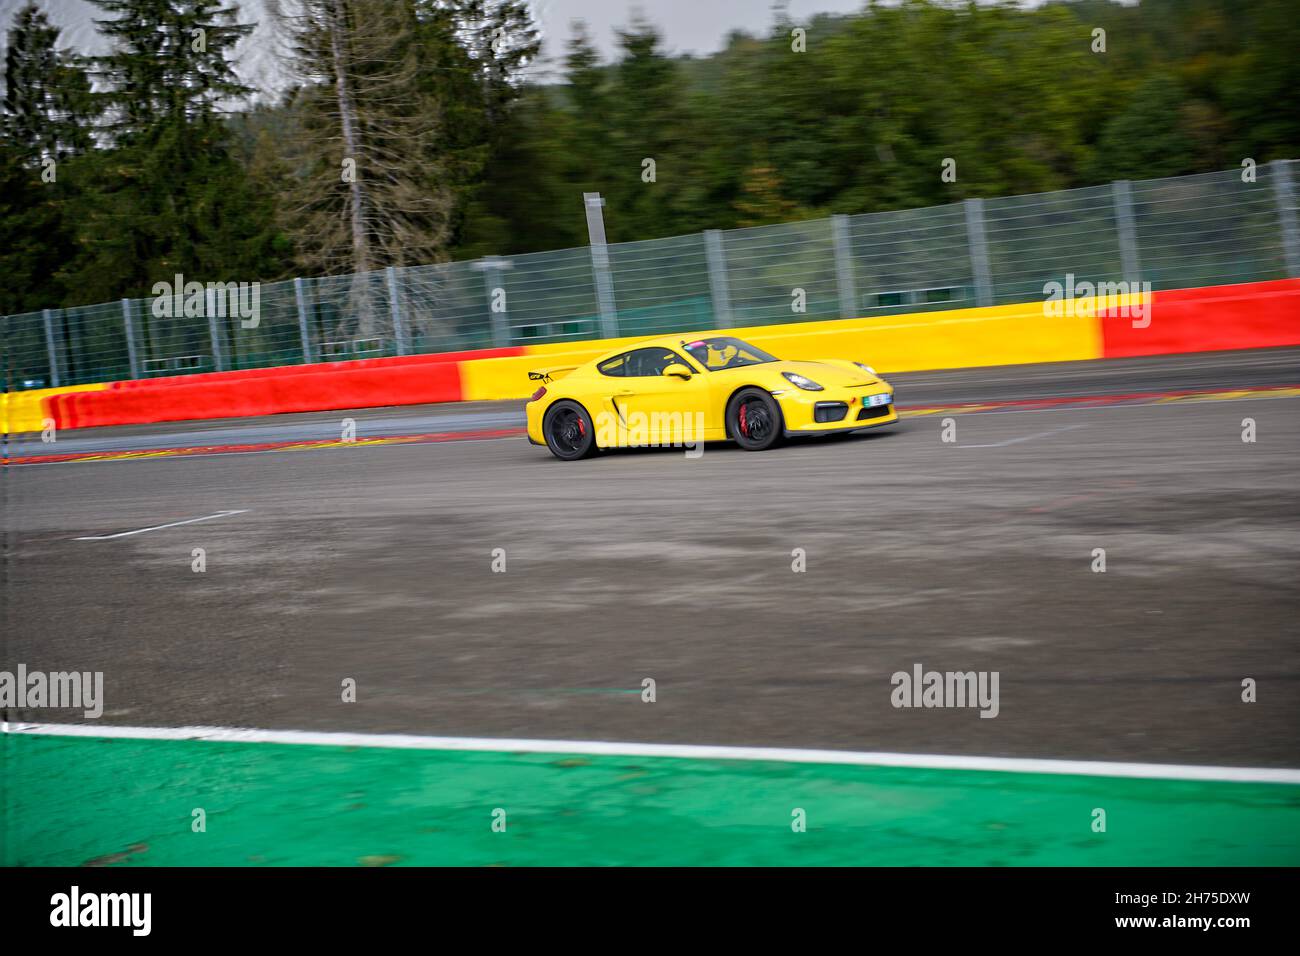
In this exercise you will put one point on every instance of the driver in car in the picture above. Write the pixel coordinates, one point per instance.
(718, 358)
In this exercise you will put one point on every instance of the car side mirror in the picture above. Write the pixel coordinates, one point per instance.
(678, 370)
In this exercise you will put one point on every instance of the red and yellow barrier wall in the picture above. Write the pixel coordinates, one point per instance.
(27, 411)
(1254, 315)
(405, 380)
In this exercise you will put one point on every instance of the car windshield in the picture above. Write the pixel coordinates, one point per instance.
(723, 351)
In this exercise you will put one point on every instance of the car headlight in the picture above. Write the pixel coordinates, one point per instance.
(807, 384)
(866, 368)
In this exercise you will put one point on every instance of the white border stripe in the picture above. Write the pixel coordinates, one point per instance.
(1088, 768)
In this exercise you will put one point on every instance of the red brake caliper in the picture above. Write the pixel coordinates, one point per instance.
(582, 427)
(744, 420)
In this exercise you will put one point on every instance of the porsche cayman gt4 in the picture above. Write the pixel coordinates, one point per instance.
(675, 391)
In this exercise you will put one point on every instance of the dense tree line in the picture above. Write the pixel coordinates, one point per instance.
(863, 119)
(409, 136)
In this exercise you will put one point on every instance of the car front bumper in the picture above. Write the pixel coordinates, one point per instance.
(836, 409)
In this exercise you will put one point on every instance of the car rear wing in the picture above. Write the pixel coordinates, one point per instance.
(550, 374)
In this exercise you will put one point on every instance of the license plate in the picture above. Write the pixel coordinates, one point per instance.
(874, 400)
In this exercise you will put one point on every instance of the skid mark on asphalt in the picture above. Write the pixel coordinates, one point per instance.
(1024, 438)
(1107, 488)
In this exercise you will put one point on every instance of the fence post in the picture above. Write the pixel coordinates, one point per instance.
(844, 267)
(1130, 265)
(1285, 192)
(979, 251)
(214, 330)
(129, 326)
(55, 377)
(600, 265)
(300, 296)
(718, 278)
(395, 310)
(492, 267)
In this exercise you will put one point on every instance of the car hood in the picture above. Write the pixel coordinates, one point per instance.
(834, 373)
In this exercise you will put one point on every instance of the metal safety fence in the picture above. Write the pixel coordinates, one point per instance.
(1208, 229)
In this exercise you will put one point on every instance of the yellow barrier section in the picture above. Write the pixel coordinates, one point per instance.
(23, 412)
(485, 380)
(1019, 334)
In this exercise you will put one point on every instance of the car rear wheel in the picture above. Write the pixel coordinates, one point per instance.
(754, 419)
(568, 430)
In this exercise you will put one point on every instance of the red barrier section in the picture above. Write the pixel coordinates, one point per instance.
(1248, 316)
(437, 358)
(60, 409)
(321, 391)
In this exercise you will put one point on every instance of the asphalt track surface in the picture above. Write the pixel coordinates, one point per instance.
(374, 562)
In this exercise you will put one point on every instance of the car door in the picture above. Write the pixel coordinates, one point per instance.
(659, 409)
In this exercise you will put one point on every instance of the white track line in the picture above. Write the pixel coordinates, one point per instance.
(159, 527)
(1088, 768)
(1016, 441)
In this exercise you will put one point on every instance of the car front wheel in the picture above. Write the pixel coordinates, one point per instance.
(754, 419)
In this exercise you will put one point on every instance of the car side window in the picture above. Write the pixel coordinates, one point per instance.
(617, 366)
(652, 362)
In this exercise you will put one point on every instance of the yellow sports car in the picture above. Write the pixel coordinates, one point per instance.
(683, 391)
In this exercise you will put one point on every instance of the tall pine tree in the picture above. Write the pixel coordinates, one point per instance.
(47, 103)
(45, 120)
(167, 195)
(170, 66)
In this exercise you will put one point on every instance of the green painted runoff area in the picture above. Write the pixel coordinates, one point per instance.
(98, 801)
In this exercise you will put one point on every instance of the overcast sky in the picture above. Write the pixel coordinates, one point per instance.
(698, 27)
(689, 26)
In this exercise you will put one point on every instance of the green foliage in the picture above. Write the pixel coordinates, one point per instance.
(36, 238)
(864, 118)
(48, 107)
(470, 53)
(170, 66)
(166, 195)
(163, 192)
